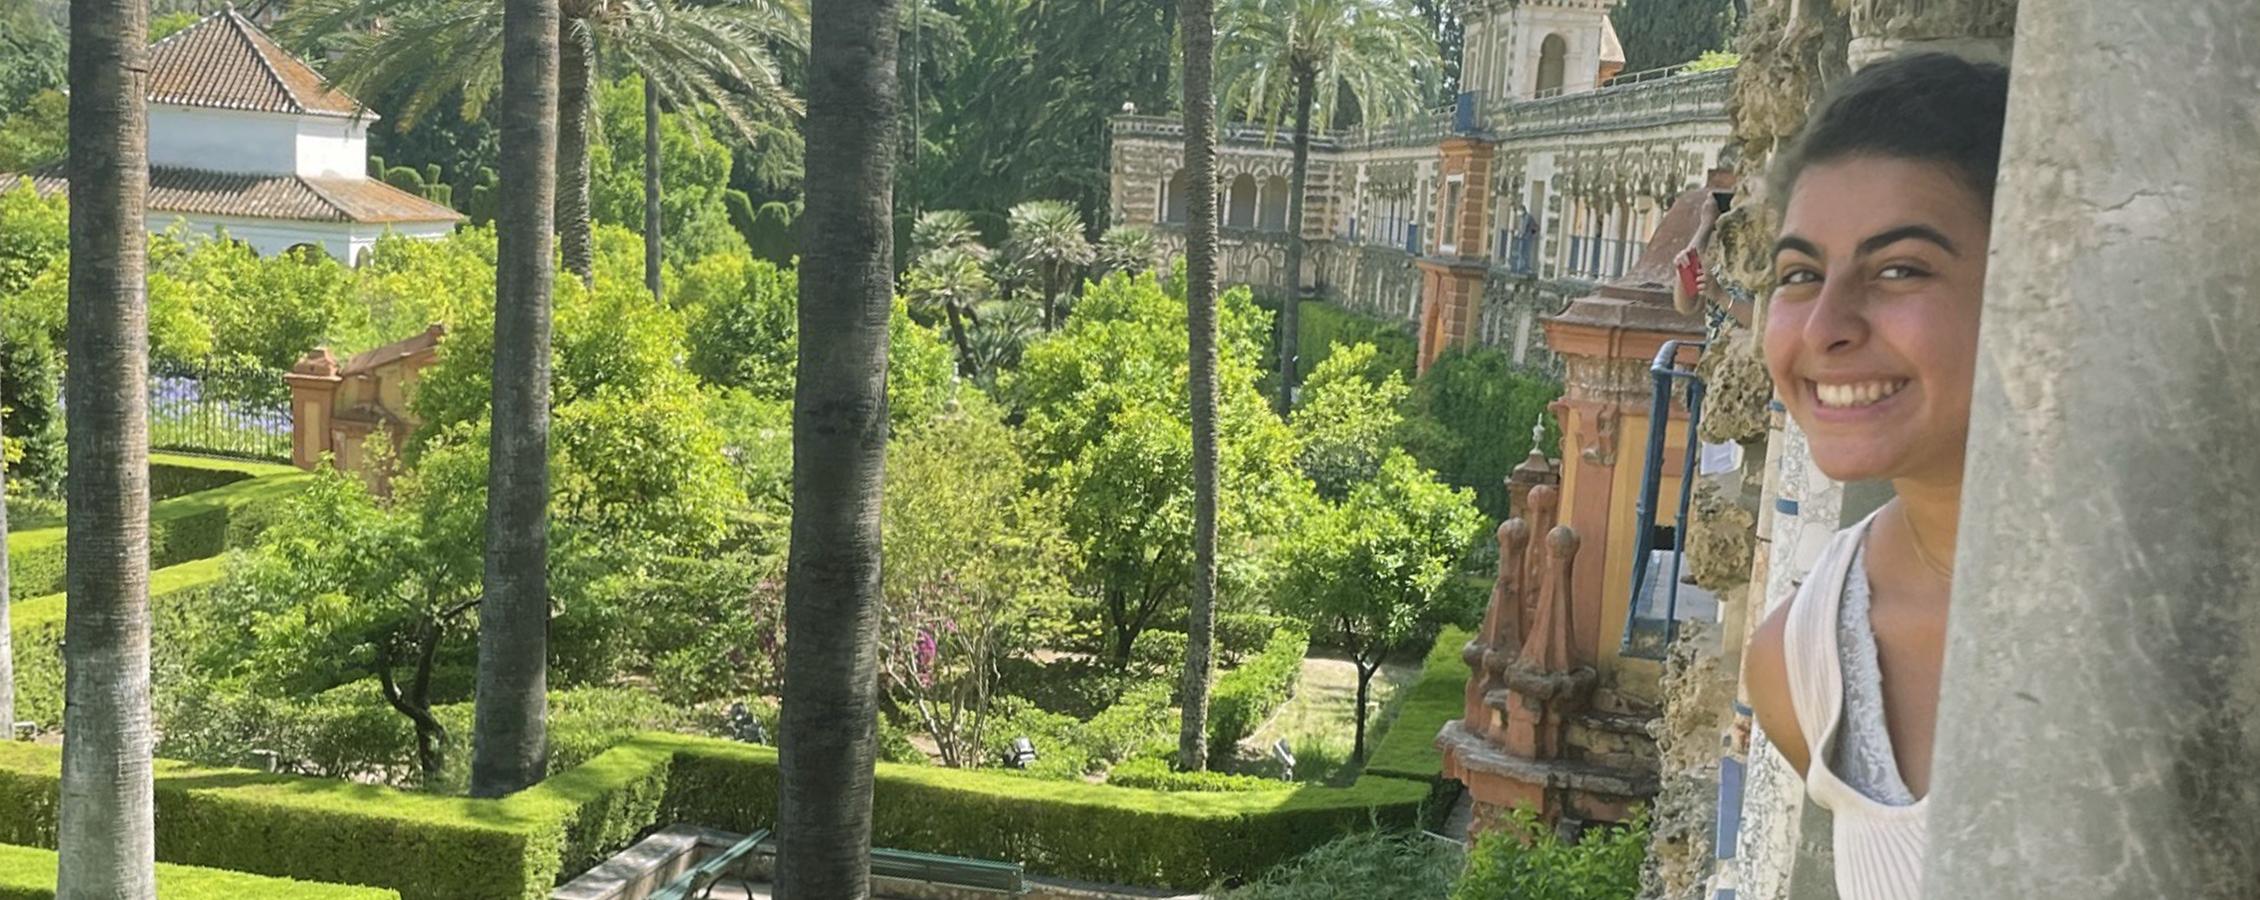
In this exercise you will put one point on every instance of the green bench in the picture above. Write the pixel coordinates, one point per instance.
(952, 871)
(700, 880)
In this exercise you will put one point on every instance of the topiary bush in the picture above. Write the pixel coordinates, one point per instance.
(1244, 697)
(1242, 634)
(1406, 747)
(181, 529)
(1398, 865)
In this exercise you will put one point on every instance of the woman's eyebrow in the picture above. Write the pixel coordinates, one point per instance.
(1793, 242)
(1908, 232)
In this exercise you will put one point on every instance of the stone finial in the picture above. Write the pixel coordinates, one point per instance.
(317, 362)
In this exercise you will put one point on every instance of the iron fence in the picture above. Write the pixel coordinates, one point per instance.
(222, 409)
(1651, 620)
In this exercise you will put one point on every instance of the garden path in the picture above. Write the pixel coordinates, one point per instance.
(1319, 720)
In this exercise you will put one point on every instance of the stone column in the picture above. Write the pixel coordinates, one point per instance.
(2099, 731)
(313, 391)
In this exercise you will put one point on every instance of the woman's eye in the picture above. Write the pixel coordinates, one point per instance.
(1799, 276)
(1894, 273)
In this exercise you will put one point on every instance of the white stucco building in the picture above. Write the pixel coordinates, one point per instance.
(245, 137)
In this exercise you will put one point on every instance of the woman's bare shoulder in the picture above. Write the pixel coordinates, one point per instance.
(1765, 676)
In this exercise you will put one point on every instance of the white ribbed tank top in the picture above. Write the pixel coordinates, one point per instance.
(1879, 846)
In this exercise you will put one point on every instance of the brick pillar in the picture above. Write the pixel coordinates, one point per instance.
(313, 391)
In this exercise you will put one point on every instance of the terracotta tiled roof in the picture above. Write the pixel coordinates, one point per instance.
(288, 197)
(225, 62)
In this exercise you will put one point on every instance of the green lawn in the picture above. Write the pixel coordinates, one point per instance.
(1319, 720)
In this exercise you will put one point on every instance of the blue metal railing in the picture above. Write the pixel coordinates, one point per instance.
(1463, 113)
(1646, 634)
(1412, 239)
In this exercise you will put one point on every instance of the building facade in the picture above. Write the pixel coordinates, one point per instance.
(1471, 223)
(246, 139)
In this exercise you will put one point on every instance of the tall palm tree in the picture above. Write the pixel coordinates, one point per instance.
(714, 59)
(107, 830)
(1308, 59)
(651, 173)
(509, 743)
(7, 645)
(1047, 237)
(832, 594)
(1196, 18)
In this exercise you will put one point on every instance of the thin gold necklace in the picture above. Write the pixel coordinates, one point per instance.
(1916, 538)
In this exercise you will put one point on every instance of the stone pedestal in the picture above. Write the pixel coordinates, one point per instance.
(2099, 721)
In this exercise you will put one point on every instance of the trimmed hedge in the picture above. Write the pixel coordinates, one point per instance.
(28, 873)
(1154, 774)
(1246, 696)
(180, 529)
(1183, 841)
(1408, 748)
(177, 474)
(1321, 324)
(36, 628)
(455, 848)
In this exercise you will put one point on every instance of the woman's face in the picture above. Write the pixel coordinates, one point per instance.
(1871, 336)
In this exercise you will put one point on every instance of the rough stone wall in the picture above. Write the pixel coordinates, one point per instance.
(1698, 696)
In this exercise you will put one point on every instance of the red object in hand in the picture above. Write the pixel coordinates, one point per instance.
(1691, 273)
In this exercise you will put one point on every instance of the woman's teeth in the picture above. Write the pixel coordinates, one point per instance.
(1866, 393)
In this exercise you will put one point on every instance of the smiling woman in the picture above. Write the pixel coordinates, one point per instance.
(1871, 339)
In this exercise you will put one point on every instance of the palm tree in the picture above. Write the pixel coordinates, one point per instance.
(832, 594)
(950, 274)
(1128, 248)
(1308, 59)
(509, 743)
(714, 59)
(7, 645)
(106, 834)
(1047, 237)
(1199, 40)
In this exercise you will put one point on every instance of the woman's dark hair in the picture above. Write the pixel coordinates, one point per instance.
(1930, 107)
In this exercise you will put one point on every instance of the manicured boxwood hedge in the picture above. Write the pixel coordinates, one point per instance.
(176, 474)
(451, 848)
(28, 873)
(1246, 696)
(1408, 748)
(36, 629)
(183, 528)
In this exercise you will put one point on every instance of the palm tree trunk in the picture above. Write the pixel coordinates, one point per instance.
(106, 835)
(966, 367)
(651, 223)
(1290, 311)
(832, 599)
(7, 646)
(509, 745)
(1200, 319)
(576, 71)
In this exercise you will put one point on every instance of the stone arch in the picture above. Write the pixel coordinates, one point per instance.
(1240, 205)
(1553, 61)
(1173, 198)
(1272, 216)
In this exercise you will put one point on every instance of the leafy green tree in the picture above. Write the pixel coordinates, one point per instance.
(975, 573)
(1659, 33)
(744, 334)
(1469, 418)
(1367, 569)
(348, 586)
(260, 312)
(35, 132)
(1047, 237)
(32, 55)
(695, 171)
(34, 236)
(1348, 421)
(1103, 401)
(1299, 62)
